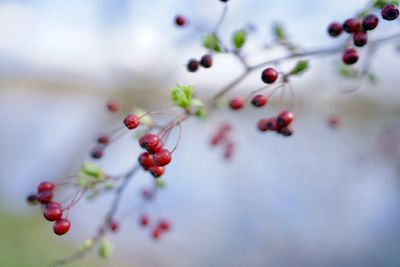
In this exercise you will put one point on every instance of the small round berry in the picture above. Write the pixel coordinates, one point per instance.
(334, 121)
(114, 226)
(104, 139)
(267, 124)
(162, 157)
(52, 213)
(350, 56)
(390, 12)
(156, 148)
(157, 171)
(351, 25)
(45, 197)
(335, 29)
(360, 38)
(149, 141)
(269, 75)
(259, 101)
(97, 153)
(131, 121)
(370, 22)
(284, 118)
(53, 204)
(236, 103)
(192, 65)
(112, 106)
(61, 226)
(146, 160)
(156, 233)
(164, 225)
(45, 186)
(32, 199)
(144, 220)
(180, 20)
(285, 131)
(206, 61)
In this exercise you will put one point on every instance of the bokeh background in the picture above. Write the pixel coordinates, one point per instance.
(325, 197)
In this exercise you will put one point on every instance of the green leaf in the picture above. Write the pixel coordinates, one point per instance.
(211, 41)
(239, 38)
(108, 186)
(348, 72)
(382, 3)
(372, 78)
(91, 170)
(160, 183)
(105, 249)
(279, 33)
(181, 95)
(200, 113)
(301, 66)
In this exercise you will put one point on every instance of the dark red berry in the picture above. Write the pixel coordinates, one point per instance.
(285, 131)
(131, 121)
(150, 142)
(284, 118)
(164, 225)
(53, 204)
(112, 106)
(45, 197)
(351, 25)
(45, 186)
(370, 22)
(192, 65)
(104, 139)
(114, 226)
(360, 38)
(97, 153)
(269, 75)
(206, 61)
(259, 100)
(61, 226)
(390, 12)
(350, 56)
(335, 29)
(32, 199)
(157, 171)
(180, 20)
(334, 121)
(144, 220)
(162, 157)
(236, 103)
(156, 233)
(52, 213)
(156, 148)
(267, 124)
(146, 160)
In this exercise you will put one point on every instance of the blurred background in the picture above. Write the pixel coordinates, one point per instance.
(325, 197)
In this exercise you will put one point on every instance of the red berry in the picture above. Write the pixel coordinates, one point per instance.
(156, 233)
(269, 75)
(370, 22)
(206, 61)
(217, 138)
(112, 106)
(335, 29)
(180, 21)
(284, 118)
(146, 160)
(53, 204)
(157, 171)
(351, 25)
(61, 226)
(390, 12)
(104, 139)
(236, 103)
(144, 220)
(150, 142)
(334, 121)
(45, 186)
(259, 100)
(360, 38)
(97, 153)
(32, 199)
(114, 226)
(131, 121)
(350, 56)
(164, 225)
(162, 157)
(192, 65)
(52, 213)
(285, 131)
(45, 197)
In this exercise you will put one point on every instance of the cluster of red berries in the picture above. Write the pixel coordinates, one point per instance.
(359, 27)
(221, 137)
(279, 124)
(52, 210)
(158, 229)
(155, 158)
(205, 61)
(257, 101)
